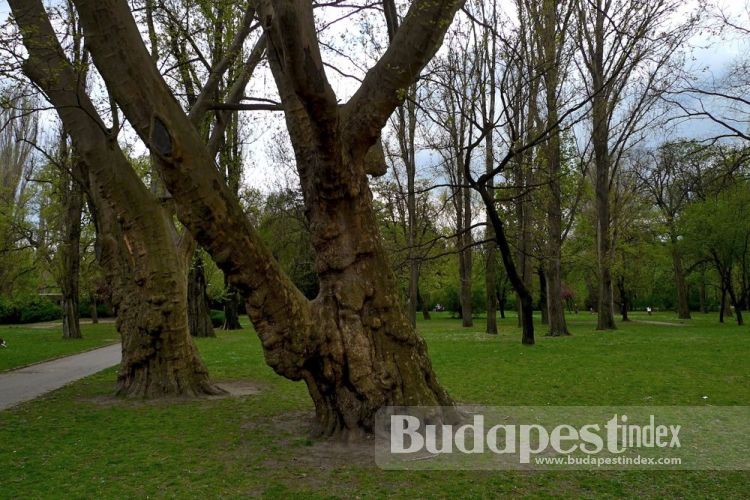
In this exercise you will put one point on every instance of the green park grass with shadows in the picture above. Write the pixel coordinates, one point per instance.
(81, 442)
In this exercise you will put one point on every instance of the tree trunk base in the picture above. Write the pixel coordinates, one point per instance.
(140, 382)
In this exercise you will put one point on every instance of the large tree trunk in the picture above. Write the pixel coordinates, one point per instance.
(198, 310)
(683, 308)
(135, 236)
(353, 345)
(70, 249)
(158, 356)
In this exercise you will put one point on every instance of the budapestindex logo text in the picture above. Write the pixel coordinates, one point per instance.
(525, 440)
(560, 437)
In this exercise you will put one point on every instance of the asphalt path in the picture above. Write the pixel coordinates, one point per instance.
(25, 384)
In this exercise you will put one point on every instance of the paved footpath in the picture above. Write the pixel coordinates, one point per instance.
(27, 383)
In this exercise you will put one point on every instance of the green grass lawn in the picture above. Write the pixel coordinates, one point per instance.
(78, 442)
(31, 344)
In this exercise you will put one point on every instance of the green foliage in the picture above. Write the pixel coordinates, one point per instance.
(284, 230)
(29, 309)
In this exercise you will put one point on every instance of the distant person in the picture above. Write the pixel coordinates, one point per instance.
(648, 310)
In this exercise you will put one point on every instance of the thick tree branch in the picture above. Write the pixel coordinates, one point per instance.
(205, 205)
(384, 87)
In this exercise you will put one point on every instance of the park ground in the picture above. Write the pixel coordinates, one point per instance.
(79, 442)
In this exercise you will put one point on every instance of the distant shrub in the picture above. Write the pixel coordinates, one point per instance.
(29, 309)
(217, 318)
(38, 309)
(8, 312)
(84, 309)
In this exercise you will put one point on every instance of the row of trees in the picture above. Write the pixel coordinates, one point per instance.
(518, 146)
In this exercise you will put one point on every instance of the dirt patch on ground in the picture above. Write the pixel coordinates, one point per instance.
(295, 432)
(234, 388)
(237, 388)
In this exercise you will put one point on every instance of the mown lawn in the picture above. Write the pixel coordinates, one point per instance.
(78, 442)
(31, 344)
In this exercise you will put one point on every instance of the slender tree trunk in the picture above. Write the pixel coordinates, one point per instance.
(683, 308)
(70, 250)
(543, 295)
(199, 312)
(702, 295)
(552, 43)
(425, 306)
(501, 303)
(736, 303)
(605, 320)
(231, 308)
(623, 298)
(490, 280)
(93, 309)
(724, 305)
(407, 132)
(467, 258)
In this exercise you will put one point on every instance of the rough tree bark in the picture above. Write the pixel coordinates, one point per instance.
(353, 345)
(159, 357)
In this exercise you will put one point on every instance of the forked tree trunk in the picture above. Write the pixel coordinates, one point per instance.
(134, 236)
(198, 310)
(353, 345)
